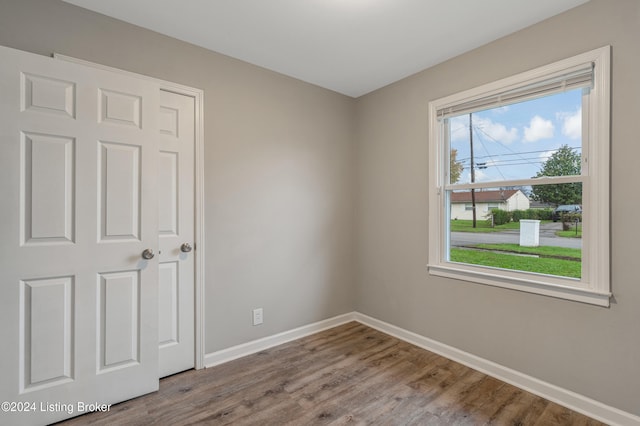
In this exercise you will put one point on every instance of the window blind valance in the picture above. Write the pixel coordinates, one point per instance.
(573, 78)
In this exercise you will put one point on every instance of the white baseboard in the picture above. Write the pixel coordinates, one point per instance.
(564, 397)
(234, 352)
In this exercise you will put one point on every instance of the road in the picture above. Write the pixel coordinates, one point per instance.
(547, 237)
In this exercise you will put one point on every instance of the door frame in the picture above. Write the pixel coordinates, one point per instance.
(198, 96)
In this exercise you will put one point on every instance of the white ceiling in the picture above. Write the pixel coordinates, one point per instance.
(349, 46)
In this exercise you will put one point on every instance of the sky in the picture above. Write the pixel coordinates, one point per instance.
(513, 141)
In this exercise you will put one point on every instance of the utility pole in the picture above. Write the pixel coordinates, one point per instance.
(473, 173)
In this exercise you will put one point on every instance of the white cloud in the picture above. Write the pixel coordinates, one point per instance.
(572, 124)
(539, 128)
(547, 154)
(484, 128)
(479, 174)
(501, 110)
(495, 131)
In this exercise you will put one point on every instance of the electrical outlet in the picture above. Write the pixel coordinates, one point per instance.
(257, 316)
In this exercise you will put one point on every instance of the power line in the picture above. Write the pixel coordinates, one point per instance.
(516, 153)
(498, 161)
(489, 156)
(506, 161)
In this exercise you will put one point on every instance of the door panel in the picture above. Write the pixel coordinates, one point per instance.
(118, 327)
(119, 189)
(47, 331)
(48, 95)
(120, 108)
(78, 304)
(176, 173)
(168, 182)
(168, 296)
(47, 188)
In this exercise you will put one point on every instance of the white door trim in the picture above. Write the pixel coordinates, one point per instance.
(198, 96)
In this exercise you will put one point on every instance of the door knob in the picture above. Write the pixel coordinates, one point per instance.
(148, 254)
(186, 248)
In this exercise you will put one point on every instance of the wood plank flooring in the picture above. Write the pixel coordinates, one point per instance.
(348, 375)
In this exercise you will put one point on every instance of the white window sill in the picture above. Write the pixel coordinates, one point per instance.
(530, 283)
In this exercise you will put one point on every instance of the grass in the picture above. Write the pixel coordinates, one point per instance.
(459, 225)
(553, 260)
(543, 251)
(481, 226)
(571, 233)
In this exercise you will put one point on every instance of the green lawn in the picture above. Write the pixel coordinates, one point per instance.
(481, 226)
(553, 260)
(571, 233)
(544, 251)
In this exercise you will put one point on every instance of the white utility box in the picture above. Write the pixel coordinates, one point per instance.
(529, 233)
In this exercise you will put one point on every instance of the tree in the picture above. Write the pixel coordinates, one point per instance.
(455, 166)
(564, 162)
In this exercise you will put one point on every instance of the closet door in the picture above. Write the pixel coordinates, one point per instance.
(176, 233)
(79, 237)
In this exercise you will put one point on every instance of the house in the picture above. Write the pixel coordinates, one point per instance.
(315, 206)
(508, 200)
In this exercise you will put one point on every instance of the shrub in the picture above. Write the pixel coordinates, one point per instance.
(536, 214)
(500, 217)
(544, 214)
(569, 219)
(516, 215)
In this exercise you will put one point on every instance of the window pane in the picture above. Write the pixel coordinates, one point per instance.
(539, 137)
(525, 232)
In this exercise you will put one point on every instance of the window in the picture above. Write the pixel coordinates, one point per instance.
(513, 153)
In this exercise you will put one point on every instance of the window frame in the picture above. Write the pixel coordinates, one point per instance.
(594, 287)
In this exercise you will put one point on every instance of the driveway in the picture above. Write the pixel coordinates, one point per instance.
(547, 237)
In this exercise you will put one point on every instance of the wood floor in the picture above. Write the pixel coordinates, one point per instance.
(348, 375)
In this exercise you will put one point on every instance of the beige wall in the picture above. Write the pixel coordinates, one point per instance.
(290, 167)
(278, 173)
(591, 350)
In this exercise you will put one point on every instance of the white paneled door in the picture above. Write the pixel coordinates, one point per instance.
(86, 158)
(176, 232)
